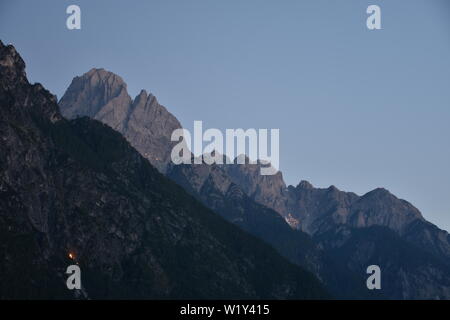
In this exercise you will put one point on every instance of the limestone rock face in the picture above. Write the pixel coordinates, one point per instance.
(381, 208)
(147, 125)
(268, 190)
(318, 210)
(149, 128)
(97, 94)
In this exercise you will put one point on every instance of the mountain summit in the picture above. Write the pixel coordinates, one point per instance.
(147, 125)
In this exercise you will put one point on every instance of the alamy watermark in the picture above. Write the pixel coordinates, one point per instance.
(73, 21)
(237, 142)
(374, 280)
(74, 278)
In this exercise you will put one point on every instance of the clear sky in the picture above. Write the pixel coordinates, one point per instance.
(356, 108)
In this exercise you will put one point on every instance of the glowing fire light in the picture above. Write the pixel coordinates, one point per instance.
(71, 256)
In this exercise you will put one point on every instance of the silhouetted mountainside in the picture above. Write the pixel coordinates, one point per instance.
(329, 214)
(213, 187)
(408, 272)
(79, 187)
(318, 218)
(340, 220)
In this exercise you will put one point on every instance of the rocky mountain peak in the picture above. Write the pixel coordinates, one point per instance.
(332, 188)
(379, 193)
(97, 94)
(28, 97)
(146, 124)
(268, 190)
(12, 67)
(105, 77)
(382, 208)
(305, 185)
(141, 97)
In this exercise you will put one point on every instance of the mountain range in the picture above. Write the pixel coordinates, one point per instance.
(76, 192)
(312, 227)
(91, 175)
